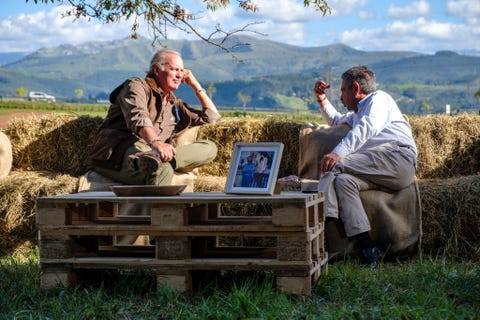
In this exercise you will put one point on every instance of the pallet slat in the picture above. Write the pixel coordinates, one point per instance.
(181, 234)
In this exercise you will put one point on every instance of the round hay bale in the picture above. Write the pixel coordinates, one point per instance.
(6, 156)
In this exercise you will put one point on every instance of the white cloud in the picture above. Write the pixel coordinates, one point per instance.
(415, 9)
(366, 15)
(46, 29)
(286, 11)
(285, 21)
(346, 7)
(291, 33)
(420, 35)
(464, 8)
(282, 22)
(206, 21)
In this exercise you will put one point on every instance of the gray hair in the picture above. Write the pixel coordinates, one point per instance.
(363, 75)
(159, 59)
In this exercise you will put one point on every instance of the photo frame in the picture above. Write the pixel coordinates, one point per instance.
(254, 168)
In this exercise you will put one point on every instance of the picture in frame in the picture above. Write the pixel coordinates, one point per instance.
(254, 167)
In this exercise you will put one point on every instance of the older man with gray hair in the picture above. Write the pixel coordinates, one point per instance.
(135, 144)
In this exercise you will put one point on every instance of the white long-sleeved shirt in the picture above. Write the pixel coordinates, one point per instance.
(377, 121)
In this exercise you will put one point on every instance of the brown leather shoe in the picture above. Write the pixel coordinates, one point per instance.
(145, 162)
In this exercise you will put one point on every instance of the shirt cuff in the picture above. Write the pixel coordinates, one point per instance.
(341, 151)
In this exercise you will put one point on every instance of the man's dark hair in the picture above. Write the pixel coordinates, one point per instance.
(363, 75)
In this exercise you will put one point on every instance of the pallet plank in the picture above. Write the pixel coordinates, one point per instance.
(78, 231)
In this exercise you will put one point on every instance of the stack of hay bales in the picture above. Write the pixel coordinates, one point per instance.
(48, 154)
(449, 182)
(47, 159)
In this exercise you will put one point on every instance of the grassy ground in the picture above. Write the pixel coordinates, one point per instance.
(426, 289)
(8, 107)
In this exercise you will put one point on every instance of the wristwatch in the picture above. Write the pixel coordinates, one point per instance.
(322, 99)
(201, 90)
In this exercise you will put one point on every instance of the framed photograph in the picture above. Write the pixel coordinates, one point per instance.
(254, 167)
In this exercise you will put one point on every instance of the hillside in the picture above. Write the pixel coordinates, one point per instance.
(272, 74)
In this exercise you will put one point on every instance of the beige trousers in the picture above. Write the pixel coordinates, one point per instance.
(389, 167)
(187, 158)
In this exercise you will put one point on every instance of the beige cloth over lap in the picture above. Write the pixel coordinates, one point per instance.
(395, 218)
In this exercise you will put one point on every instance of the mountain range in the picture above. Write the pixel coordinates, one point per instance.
(269, 74)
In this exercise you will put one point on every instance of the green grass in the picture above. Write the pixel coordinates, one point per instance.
(280, 116)
(430, 288)
(7, 107)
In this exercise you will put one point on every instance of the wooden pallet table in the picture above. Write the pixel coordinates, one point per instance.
(188, 232)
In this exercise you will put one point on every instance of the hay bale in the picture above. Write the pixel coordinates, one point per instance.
(54, 142)
(18, 192)
(6, 156)
(227, 132)
(448, 146)
(450, 219)
(209, 184)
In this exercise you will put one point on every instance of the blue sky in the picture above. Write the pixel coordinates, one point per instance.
(372, 25)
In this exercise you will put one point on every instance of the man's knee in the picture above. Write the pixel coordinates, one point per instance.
(345, 182)
(210, 149)
(163, 176)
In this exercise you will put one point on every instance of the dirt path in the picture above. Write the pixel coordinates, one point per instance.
(5, 118)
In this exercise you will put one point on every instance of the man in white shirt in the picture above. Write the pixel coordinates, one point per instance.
(377, 153)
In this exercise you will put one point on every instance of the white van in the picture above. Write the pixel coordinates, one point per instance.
(40, 96)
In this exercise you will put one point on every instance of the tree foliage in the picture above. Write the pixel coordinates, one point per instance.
(21, 91)
(211, 89)
(160, 16)
(244, 99)
(477, 94)
(79, 93)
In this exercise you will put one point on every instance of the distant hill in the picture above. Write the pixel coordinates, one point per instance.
(9, 57)
(272, 74)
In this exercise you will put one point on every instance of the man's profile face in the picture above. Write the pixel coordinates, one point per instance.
(348, 96)
(170, 78)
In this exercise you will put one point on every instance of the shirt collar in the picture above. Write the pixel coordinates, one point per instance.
(153, 84)
(362, 102)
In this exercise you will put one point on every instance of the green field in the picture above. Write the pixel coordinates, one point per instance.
(8, 107)
(430, 288)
